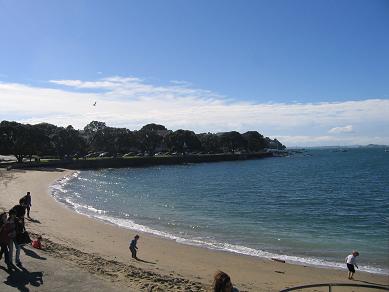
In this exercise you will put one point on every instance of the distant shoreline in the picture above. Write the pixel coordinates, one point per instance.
(137, 161)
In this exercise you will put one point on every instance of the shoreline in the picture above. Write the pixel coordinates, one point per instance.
(233, 249)
(63, 225)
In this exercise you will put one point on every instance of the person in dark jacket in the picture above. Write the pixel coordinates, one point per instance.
(19, 239)
(5, 230)
(133, 246)
(26, 202)
(19, 210)
(7, 235)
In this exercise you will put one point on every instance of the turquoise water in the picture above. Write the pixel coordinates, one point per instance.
(310, 208)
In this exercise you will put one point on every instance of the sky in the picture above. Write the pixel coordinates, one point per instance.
(309, 73)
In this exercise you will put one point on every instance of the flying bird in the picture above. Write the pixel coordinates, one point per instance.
(94, 103)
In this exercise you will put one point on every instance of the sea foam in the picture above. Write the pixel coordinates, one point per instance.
(59, 192)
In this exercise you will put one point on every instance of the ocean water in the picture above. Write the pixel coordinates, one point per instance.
(311, 208)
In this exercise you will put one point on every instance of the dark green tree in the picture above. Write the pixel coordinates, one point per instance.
(118, 140)
(39, 142)
(210, 143)
(68, 142)
(93, 127)
(47, 145)
(15, 139)
(147, 140)
(255, 141)
(232, 141)
(275, 144)
(92, 134)
(183, 141)
(153, 127)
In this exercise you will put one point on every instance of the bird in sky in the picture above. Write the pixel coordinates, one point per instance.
(94, 103)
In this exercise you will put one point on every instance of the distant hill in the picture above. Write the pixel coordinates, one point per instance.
(375, 146)
(342, 146)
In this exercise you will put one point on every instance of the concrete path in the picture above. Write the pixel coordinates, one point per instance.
(40, 273)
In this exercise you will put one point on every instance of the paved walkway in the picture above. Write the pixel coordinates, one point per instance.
(49, 274)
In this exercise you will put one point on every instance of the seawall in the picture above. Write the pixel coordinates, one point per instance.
(140, 161)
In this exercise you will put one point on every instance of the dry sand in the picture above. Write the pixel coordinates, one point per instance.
(101, 249)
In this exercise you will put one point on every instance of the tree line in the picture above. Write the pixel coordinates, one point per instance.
(44, 139)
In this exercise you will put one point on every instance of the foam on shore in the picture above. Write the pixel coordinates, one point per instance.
(59, 193)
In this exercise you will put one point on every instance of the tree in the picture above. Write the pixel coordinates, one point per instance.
(210, 143)
(68, 142)
(46, 128)
(118, 140)
(92, 133)
(183, 141)
(46, 146)
(39, 142)
(153, 127)
(100, 137)
(15, 139)
(255, 141)
(148, 140)
(232, 141)
(275, 144)
(24, 140)
(93, 127)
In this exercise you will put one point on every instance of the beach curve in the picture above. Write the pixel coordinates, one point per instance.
(63, 226)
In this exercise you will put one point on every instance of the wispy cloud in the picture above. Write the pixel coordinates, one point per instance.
(339, 130)
(106, 83)
(132, 102)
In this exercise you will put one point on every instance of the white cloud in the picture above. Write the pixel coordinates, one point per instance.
(131, 102)
(339, 130)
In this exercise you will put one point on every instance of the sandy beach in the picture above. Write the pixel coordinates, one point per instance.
(99, 250)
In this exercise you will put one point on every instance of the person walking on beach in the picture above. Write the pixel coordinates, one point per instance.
(21, 238)
(351, 261)
(133, 246)
(9, 235)
(26, 202)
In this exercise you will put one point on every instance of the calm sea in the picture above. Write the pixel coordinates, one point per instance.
(311, 208)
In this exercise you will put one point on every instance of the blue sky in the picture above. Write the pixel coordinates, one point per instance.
(306, 72)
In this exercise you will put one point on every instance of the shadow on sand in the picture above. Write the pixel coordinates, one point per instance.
(32, 254)
(33, 220)
(47, 169)
(143, 261)
(372, 283)
(19, 279)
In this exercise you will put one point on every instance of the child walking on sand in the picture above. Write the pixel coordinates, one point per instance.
(351, 261)
(133, 246)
